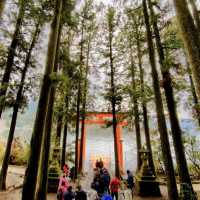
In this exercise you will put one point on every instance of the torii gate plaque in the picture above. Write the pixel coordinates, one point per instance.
(101, 119)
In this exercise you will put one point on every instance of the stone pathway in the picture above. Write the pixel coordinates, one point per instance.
(15, 179)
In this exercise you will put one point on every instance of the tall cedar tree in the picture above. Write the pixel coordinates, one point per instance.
(136, 34)
(145, 113)
(110, 24)
(46, 140)
(85, 91)
(67, 98)
(136, 111)
(87, 21)
(191, 39)
(169, 169)
(16, 107)
(30, 179)
(144, 104)
(70, 87)
(169, 93)
(11, 55)
(78, 103)
(66, 117)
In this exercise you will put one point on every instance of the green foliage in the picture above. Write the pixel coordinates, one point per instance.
(56, 78)
(70, 154)
(111, 18)
(171, 36)
(3, 53)
(19, 152)
(192, 150)
(186, 192)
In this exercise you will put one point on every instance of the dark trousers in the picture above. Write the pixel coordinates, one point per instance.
(114, 194)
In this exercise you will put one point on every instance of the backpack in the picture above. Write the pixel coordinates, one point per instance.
(106, 179)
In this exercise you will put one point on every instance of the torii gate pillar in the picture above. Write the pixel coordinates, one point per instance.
(120, 148)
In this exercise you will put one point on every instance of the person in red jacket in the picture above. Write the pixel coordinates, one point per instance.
(114, 187)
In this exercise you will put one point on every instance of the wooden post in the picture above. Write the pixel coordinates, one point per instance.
(122, 157)
(119, 146)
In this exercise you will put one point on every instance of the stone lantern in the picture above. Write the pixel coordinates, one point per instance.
(146, 183)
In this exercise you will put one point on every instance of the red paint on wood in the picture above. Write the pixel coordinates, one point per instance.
(103, 122)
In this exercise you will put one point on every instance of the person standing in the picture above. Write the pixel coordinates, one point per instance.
(97, 183)
(63, 186)
(130, 181)
(105, 176)
(114, 187)
(69, 195)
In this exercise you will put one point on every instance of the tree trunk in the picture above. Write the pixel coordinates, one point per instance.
(144, 108)
(194, 95)
(113, 102)
(64, 145)
(46, 140)
(6, 159)
(2, 5)
(59, 129)
(175, 126)
(77, 129)
(11, 56)
(169, 169)
(43, 178)
(191, 39)
(195, 14)
(84, 109)
(66, 117)
(193, 92)
(8, 149)
(30, 179)
(79, 102)
(136, 114)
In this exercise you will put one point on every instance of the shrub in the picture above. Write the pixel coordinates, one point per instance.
(19, 152)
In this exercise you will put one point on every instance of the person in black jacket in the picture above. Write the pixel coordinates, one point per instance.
(130, 181)
(105, 178)
(97, 183)
(80, 194)
(69, 195)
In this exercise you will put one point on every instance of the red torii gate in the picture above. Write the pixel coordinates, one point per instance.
(101, 118)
